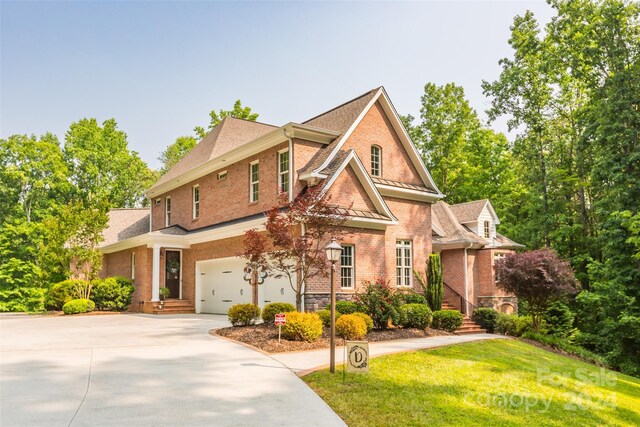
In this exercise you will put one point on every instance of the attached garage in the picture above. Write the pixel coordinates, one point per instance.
(220, 284)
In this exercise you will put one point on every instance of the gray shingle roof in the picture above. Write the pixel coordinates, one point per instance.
(469, 211)
(338, 119)
(229, 134)
(124, 224)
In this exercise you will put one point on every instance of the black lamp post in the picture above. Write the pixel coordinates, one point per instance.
(333, 251)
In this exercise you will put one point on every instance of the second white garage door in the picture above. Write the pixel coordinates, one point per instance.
(220, 284)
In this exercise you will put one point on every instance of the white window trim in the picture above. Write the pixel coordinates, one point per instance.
(379, 161)
(404, 244)
(351, 267)
(167, 211)
(195, 207)
(282, 174)
(133, 266)
(252, 198)
(486, 229)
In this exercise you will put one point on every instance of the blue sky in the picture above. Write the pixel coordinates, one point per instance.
(158, 68)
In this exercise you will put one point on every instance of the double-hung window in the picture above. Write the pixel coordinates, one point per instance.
(347, 263)
(403, 262)
(254, 181)
(196, 201)
(487, 229)
(283, 171)
(376, 153)
(133, 265)
(167, 211)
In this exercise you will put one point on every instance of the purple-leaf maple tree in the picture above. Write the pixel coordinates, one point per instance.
(296, 233)
(536, 277)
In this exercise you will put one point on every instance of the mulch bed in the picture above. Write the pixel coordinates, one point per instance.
(265, 337)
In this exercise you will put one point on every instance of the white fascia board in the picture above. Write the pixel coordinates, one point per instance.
(492, 211)
(225, 232)
(407, 193)
(349, 131)
(311, 133)
(273, 138)
(408, 143)
(364, 178)
(371, 223)
(133, 242)
(185, 241)
(456, 244)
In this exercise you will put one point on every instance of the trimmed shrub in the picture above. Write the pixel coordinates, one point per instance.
(367, 320)
(487, 318)
(243, 314)
(558, 319)
(325, 316)
(351, 327)
(380, 303)
(513, 325)
(412, 298)
(76, 306)
(61, 293)
(302, 327)
(270, 310)
(416, 316)
(112, 293)
(346, 307)
(447, 320)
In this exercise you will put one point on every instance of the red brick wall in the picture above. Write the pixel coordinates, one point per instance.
(348, 191)
(376, 129)
(223, 200)
(119, 264)
(303, 151)
(486, 280)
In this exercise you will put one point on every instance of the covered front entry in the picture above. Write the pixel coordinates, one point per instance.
(173, 272)
(220, 284)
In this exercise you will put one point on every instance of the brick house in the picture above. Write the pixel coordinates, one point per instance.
(466, 238)
(189, 239)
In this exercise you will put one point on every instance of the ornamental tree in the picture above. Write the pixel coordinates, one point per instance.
(295, 237)
(538, 277)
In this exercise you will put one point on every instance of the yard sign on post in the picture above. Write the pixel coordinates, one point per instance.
(281, 319)
(357, 356)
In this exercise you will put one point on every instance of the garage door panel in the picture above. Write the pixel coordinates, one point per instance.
(222, 285)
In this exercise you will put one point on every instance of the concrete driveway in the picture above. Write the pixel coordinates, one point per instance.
(120, 370)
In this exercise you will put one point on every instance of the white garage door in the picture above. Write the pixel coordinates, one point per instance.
(220, 284)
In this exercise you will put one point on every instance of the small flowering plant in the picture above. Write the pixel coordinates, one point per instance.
(380, 302)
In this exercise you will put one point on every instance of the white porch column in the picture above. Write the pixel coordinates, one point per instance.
(155, 274)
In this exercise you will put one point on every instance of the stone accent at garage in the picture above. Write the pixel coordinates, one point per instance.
(318, 301)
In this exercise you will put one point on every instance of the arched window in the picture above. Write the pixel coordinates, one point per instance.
(376, 160)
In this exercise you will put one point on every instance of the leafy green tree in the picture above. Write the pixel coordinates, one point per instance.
(33, 176)
(238, 112)
(102, 168)
(176, 151)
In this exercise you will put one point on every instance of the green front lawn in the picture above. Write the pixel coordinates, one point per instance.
(497, 382)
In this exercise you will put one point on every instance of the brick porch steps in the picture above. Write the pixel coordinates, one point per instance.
(173, 306)
(468, 325)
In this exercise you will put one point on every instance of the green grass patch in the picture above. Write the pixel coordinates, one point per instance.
(497, 382)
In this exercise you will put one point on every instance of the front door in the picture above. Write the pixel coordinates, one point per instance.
(173, 269)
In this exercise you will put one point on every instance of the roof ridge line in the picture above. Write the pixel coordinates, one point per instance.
(341, 105)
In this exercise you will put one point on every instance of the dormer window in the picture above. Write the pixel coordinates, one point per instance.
(487, 229)
(376, 155)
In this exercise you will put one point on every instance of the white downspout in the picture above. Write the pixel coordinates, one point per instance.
(155, 274)
(284, 131)
(302, 288)
(466, 281)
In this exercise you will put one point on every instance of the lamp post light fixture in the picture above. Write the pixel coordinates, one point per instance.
(333, 251)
